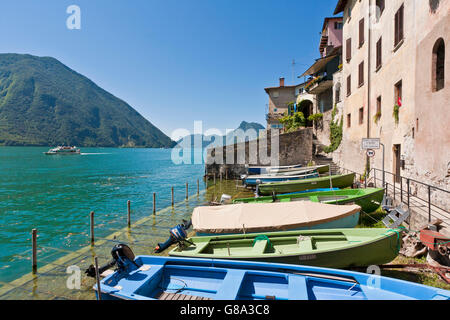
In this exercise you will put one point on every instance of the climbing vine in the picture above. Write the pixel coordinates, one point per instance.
(335, 132)
(395, 113)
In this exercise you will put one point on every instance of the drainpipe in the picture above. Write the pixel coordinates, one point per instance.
(369, 42)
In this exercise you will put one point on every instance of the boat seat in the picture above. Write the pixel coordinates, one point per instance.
(231, 285)
(199, 247)
(297, 287)
(306, 245)
(259, 247)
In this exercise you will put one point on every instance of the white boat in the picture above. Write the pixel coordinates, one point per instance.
(63, 150)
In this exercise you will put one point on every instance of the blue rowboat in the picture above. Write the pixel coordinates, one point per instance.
(168, 278)
(254, 180)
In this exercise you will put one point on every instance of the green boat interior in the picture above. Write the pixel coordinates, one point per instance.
(273, 245)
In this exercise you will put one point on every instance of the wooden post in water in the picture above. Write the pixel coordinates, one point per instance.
(198, 187)
(214, 178)
(172, 198)
(129, 212)
(187, 191)
(92, 228)
(154, 202)
(97, 277)
(34, 250)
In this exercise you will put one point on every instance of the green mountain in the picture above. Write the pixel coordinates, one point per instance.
(45, 103)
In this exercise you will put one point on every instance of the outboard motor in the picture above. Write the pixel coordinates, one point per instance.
(178, 234)
(122, 256)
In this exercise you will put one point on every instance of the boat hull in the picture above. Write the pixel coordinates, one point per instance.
(368, 199)
(338, 181)
(162, 278)
(253, 181)
(332, 249)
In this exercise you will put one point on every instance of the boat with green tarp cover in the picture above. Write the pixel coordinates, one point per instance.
(335, 248)
(368, 199)
(337, 181)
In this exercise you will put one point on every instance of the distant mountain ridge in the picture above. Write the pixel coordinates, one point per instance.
(216, 140)
(45, 103)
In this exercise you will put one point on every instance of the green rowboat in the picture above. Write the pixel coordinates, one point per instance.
(332, 248)
(368, 199)
(337, 181)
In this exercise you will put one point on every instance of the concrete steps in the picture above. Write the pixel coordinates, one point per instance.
(322, 160)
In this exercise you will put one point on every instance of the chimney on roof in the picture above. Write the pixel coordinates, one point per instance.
(281, 82)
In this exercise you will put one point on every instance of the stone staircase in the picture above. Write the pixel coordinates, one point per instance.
(323, 160)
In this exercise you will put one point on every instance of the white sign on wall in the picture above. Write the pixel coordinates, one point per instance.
(370, 143)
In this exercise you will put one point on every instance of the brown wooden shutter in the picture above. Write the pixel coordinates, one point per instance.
(396, 29)
(400, 27)
(379, 53)
(361, 74)
(348, 45)
(361, 32)
(349, 85)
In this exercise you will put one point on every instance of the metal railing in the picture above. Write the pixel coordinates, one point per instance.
(407, 191)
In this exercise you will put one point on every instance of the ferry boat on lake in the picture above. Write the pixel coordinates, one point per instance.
(63, 150)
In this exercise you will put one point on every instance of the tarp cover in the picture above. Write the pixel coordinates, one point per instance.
(260, 217)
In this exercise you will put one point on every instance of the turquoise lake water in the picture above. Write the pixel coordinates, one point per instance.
(56, 193)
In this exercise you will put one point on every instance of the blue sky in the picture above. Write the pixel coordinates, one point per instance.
(175, 61)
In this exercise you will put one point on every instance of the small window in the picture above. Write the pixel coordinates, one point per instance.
(398, 31)
(361, 115)
(378, 106)
(349, 120)
(361, 74)
(348, 49)
(349, 85)
(398, 93)
(276, 94)
(349, 12)
(438, 68)
(380, 7)
(379, 54)
(337, 97)
(338, 25)
(361, 32)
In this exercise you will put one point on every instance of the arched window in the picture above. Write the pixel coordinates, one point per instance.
(438, 72)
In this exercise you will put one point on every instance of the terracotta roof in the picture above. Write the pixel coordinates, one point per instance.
(284, 87)
(340, 6)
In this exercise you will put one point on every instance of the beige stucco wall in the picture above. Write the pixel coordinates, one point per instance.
(425, 144)
(408, 63)
(432, 135)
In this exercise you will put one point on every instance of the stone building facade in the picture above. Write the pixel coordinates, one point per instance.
(388, 62)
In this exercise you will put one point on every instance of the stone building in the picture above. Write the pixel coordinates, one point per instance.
(396, 87)
(322, 89)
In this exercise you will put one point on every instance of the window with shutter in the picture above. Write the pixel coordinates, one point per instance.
(361, 74)
(361, 115)
(380, 5)
(361, 32)
(349, 85)
(348, 46)
(379, 53)
(399, 20)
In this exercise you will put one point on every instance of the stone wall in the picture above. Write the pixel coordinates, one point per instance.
(230, 161)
